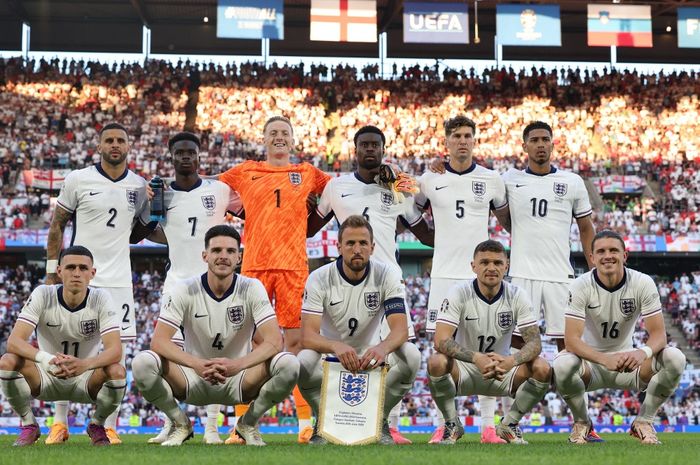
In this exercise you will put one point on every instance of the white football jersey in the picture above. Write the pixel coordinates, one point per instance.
(217, 327)
(611, 314)
(75, 331)
(104, 212)
(461, 204)
(483, 325)
(352, 311)
(189, 215)
(541, 211)
(349, 195)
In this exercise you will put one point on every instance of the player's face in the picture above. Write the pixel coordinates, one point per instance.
(538, 146)
(76, 271)
(490, 267)
(278, 140)
(460, 144)
(369, 150)
(222, 256)
(356, 248)
(114, 145)
(185, 157)
(609, 255)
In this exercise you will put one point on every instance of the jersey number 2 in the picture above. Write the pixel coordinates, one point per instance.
(110, 221)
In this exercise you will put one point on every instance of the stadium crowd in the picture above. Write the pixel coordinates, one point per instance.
(417, 407)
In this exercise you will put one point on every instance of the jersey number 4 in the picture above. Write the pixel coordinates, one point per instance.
(218, 343)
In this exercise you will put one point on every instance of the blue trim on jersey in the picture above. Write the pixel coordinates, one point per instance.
(498, 295)
(63, 303)
(460, 173)
(228, 292)
(361, 179)
(394, 305)
(175, 187)
(339, 264)
(615, 288)
(551, 170)
(102, 172)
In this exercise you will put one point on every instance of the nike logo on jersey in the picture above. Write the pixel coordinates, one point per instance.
(594, 306)
(200, 316)
(335, 303)
(53, 326)
(256, 177)
(124, 328)
(441, 187)
(342, 196)
(520, 185)
(94, 193)
(470, 319)
(168, 209)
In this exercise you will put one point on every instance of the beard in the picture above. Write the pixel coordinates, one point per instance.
(356, 265)
(108, 158)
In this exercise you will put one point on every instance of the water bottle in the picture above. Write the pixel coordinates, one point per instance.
(158, 200)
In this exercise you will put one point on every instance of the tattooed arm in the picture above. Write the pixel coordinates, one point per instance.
(446, 345)
(55, 239)
(532, 347)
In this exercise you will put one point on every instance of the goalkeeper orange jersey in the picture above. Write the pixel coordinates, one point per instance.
(274, 199)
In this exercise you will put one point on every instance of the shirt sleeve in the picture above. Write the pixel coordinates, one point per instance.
(313, 295)
(109, 317)
(320, 180)
(325, 205)
(524, 313)
(650, 300)
(451, 309)
(500, 199)
(233, 176)
(68, 197)
(235, 203)
(576, 307)
(260, 303)
(33, 307)
(172, 309)
(582, 205)
(394, 293)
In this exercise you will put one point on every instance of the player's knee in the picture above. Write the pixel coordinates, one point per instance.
(115, 371)
(10, 362)
(566, 365)
(286, 366)
(673, 361)
(437, 365)
(541, 370)
(144, 366)
(308, 361)
(411, 357)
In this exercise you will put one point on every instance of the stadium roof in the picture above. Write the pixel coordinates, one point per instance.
(177, 26)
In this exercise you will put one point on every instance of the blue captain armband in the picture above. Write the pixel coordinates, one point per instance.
(395, 305)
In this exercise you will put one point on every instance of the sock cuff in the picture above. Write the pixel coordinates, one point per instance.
(437, 379)
(538, 384)
(7, 375)
(115, 383)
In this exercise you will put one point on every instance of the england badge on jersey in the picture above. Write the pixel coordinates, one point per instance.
(131, 198)
(387, 198)
(209, 202)
(560, 189)
(628, 306)
(235, 315)
(88, 327)
(479, 188)
(295, 178)
(505, 319)
(372, 300)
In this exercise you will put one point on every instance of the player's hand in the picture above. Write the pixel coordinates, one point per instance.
(53, 278)
(631, 360)
(231, 367)
(484, 363)
(149, 192)
(373, 358)
(347, 356)
(503, 365)
(209, 371)
(311, 203)
(437, 166)
(612, 361)
(69, 366)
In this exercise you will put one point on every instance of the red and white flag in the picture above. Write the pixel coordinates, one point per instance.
(344, 20)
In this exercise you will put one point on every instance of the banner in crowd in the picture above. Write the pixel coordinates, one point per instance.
(619, 25)
(535, 25)
(344, 20)
(250, 19)
(688, 27)
(436, 23)
(352, 404)
(619, 184)
(45, 179)
(323, 244)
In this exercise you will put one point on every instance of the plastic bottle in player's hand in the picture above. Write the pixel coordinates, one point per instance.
(158, 200)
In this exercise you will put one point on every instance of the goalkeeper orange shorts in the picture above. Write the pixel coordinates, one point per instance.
(285, 288)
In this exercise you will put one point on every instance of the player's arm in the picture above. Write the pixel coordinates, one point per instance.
(311, 339)
(18, 342)
(54, 243)
(587, 231)
(398, 334)
(270, 344)
(446, 345)
(503, 217)
(532, 347)
(315, 222)
(424, 232)
(657, 341)
(141, 232)
(163, 345)
(573, 341)
(322, 211)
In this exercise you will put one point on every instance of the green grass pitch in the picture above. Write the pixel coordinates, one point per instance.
(546, 449)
